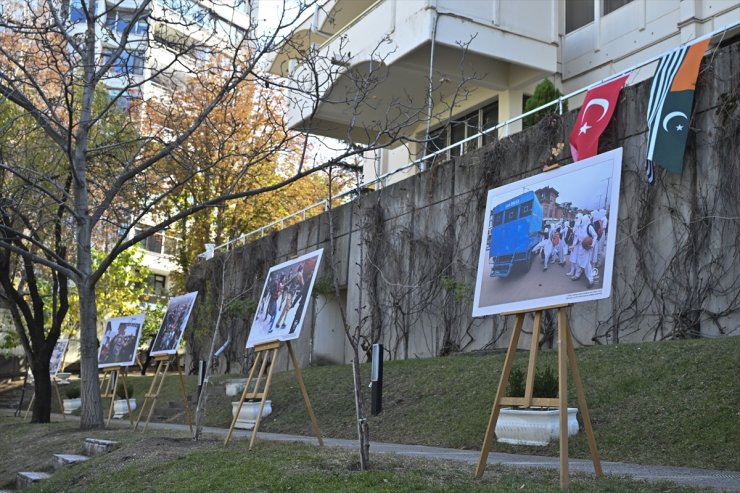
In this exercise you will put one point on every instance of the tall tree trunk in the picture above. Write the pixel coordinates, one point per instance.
(363, 429)
(92, 410)
(41, 387)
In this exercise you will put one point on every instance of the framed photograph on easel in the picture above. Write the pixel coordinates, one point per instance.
(120, 341)
(546, 239)
(284, 300)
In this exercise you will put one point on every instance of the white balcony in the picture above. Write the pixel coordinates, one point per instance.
(493, 46)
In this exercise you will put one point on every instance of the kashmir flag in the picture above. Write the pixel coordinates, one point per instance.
(593, 118)
(669, 107)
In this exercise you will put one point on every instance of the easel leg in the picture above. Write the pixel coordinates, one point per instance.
(563, 394)
(583, 406)
(299, 377)
(112, 393)
(491, 429)
(244, 393)
(264, 396)
(30, 405)
(533, 350)
(59, 398)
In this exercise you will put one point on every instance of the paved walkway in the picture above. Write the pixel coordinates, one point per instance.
(720, 480)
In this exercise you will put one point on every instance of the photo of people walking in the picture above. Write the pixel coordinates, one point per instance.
(283, 301)
(547, 239)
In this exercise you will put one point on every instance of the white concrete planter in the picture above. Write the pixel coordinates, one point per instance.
(533, 426)
(120, 409)
(235, 387)
(71, 405)
(248, 415)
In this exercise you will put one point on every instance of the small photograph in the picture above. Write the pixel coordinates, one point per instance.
(549, 239)
(57, 356)
(120, 341)
(284, 300)
(173, 325)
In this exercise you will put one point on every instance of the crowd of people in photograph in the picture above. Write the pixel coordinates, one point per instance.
(117, 347)
(581, 242)
(283, 296)
(174, 324)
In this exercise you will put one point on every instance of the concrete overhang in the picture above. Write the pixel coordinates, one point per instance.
(373, 78)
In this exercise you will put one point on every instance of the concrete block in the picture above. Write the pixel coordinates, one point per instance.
(96, 446)
(63, 460)
(25, 479)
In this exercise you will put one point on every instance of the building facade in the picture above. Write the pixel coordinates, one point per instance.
(444, 70)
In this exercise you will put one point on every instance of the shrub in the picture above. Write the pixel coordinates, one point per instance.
(545, 383)
(122, 395)
(543, 94)
(72, 392)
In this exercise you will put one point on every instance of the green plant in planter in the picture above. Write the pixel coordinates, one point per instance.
(122, 395)
(545, 383)
(72, 392)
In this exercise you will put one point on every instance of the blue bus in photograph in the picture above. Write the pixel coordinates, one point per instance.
(515, 226)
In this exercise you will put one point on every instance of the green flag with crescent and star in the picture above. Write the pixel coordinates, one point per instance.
(669, 107)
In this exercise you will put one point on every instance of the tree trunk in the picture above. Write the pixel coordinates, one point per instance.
(363, 429)
(41, 388)
(92, 410)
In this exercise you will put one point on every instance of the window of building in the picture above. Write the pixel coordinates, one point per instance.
(462, 128)
(118, 21)
(76, 12)
(578, 13)
(156, 285)
(127, 63)
(610, 6)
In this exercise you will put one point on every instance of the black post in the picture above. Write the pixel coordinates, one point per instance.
(376, 380)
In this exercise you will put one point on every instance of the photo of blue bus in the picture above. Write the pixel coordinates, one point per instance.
(515, 226)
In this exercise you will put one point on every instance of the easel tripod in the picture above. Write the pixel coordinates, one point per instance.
(264, 352)
(150, 399)
(566, 357)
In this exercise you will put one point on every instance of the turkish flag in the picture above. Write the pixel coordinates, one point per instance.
(593, 118)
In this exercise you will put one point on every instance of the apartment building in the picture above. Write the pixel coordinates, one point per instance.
(441, 71)
(165, 42)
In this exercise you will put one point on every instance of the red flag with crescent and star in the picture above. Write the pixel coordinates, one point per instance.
(597, 110)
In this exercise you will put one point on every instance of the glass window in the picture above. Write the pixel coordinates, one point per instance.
(511, 214)
(525, 209)
(498, 218)
(156, 285)
(154, 243)
(171, 245)
(610, 6)
(128, 63)
(489, 119)
(578, 13)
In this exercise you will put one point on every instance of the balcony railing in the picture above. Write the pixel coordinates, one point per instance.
(381, 181)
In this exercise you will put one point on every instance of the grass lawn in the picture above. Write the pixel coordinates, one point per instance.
(169, 461)
(668, 403)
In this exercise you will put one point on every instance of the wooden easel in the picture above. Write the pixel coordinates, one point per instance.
(264, 352)
(566, 355)
(56, 391)
(108, 387)
(151, 396)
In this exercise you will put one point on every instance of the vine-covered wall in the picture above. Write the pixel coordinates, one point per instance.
(406, 255)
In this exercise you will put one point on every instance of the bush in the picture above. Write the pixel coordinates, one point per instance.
(72, 392)
(543, 94)
(121, 394)
(545, 383)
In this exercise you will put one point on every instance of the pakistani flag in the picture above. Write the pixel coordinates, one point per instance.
(669, 107)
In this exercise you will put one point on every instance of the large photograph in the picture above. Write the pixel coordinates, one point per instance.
(284, 300)
(173, 325)
(120, 341)
(550, 239)
(57, 357)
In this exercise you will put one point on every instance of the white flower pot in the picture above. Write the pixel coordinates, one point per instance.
(120, 409)
(71, 405)
(248, 415)
(533, 426)
(235, 387)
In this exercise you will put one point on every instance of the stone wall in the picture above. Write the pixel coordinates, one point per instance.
(406, 255)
